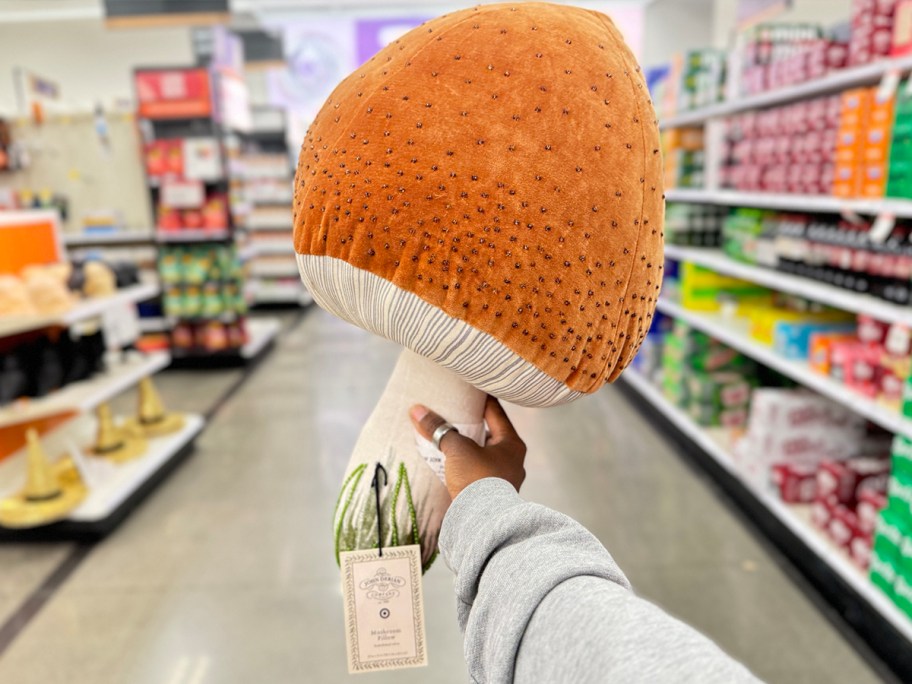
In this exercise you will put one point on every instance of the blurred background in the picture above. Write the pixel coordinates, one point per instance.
(176, 415)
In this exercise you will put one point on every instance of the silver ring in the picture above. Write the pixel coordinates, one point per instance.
(441, 430)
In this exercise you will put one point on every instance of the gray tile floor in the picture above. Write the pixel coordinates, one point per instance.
(225, 574)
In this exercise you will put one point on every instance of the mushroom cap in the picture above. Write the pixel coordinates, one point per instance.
(487, 191)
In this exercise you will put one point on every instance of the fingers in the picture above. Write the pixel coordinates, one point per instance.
(426, 422)
(498, 422)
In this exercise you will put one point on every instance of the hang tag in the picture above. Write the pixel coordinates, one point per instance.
(882, 228)
(436, 458)
(384, 609)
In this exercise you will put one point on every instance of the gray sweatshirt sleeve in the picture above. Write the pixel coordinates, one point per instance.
(539, 599)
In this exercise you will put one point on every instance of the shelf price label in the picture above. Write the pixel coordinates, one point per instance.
(882, 228)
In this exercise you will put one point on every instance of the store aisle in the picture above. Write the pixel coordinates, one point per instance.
(225, 574)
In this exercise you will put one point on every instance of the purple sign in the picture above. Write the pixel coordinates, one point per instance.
(372, 35)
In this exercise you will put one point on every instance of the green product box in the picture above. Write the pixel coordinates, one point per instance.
(888, 536)
(899, 497)
(902, 594)
(719, 390)
(901, 453)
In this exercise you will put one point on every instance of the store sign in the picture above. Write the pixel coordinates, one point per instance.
(173, 93)
(182, 194)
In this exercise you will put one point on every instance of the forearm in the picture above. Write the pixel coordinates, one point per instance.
(538, 595)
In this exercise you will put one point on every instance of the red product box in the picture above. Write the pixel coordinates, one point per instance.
(860, 551)
(835, 480)
(871, 330)
(869, 505)
(797, 483)
(863, 368)
(822, 511)
(869, 474)
(843, 525)
(902, 29)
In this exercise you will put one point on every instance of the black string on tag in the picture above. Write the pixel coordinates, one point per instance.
(375, 483)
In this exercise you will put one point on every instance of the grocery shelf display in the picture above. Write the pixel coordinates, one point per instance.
(788, 186)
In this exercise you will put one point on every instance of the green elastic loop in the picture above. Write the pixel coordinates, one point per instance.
(356, 476)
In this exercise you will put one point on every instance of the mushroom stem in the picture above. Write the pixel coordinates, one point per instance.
(415, 500)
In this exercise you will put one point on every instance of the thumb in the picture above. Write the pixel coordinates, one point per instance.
(426, 422)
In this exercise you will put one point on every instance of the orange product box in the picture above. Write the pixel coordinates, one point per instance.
(873, 181)
(877, 143)
(821, 349)
(854, 108)
(881, 111)
(846, 180)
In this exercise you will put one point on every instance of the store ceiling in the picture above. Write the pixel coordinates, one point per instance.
(63, 10)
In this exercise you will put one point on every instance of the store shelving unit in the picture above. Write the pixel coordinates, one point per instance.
(863, 606)
(816, 204)
(89, 308)
(109, 239)
(268, 175)
(115, 489)
(814, 290)
(85, 395)
(220, 121)
(867, 74)
(733, 333)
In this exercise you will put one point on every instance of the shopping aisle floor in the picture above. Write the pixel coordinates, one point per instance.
(225, 574)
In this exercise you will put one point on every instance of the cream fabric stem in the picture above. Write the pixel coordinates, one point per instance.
(389, 438)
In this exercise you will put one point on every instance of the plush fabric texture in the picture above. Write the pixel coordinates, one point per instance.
(502, 164)
(380, 307)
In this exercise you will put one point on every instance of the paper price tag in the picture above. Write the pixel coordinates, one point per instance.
(888, 85)
(882, 228)
(384, 609)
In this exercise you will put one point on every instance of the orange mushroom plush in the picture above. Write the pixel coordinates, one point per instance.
(487, 192)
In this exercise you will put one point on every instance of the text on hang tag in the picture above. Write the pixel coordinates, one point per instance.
(384, 609)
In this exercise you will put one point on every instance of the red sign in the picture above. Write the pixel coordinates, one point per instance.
(174, 93)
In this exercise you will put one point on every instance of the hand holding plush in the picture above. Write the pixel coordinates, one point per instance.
(487, 192)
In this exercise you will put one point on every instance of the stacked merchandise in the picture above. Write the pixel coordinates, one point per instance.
(779, 55)
(875, 32)
(695, 225)
(784, 149)
(891, 562)
(702, 289)
(203, 290)
(839, 252)
(702, 79)
(819, 453)
(899, 182)
(684, 158)
(710, 381)
(865, 127)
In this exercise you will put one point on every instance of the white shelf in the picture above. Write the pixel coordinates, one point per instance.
(271, 269)
(843, 79)
(271, 247)
(154, 324)
(783, 282)
(85, 309)
(124, 479)
(734, 334)
(815, 204)
(186, 235)
(260, 331)
(85, 395)
(112, 239)
(269, 224)
(814, 540)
